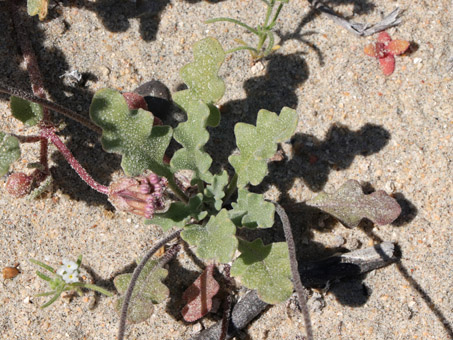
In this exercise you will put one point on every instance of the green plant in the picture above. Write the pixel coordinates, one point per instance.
(66, 278)
(266, 40)
(208, 219)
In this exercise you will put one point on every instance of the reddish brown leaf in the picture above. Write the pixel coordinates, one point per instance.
(381, 50)
(384, 38)
(135, 101)
(387, 64)
(199, 296)
(370, 50)
(397, 47)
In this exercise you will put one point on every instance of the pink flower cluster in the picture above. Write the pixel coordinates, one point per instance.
(141, 195)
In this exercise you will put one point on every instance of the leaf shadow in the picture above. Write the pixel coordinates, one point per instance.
(312, 160)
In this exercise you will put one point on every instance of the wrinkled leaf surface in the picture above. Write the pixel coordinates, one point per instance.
(257, 144)
(214, 241)
(253, 210)
(130, 133)
(350, 205)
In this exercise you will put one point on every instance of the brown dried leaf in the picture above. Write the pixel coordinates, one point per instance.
(199, 295)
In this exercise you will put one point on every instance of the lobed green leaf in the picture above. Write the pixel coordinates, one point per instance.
(350, 205)
(215, 192)
(179, 214)
(265, 268)
(192, 135)
(257, 144)
(204, 88)
(201, 75)
(216, 240)
(149, 290)
(9, 152)
(130, 133)
(252, 211)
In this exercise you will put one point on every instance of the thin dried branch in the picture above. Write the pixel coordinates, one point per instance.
(135, 275)
(360, 29)
(300, 290)
(52, 106)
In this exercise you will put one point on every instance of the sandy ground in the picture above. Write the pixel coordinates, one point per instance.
(393, 132)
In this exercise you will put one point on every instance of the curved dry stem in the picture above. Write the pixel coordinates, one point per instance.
(52, 106)
(300, 290)
(135, 275)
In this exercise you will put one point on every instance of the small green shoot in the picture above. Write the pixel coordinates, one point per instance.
(65, 278)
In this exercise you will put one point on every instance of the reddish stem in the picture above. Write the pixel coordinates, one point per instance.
(33, 72)
(47, 129)
(50, 134)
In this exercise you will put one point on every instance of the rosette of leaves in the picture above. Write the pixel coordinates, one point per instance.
(209, 224)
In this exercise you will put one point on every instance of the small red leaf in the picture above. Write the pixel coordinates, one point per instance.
(135, 101)
(384, 38)
(397, 47)
(387, 64)
(199, 296)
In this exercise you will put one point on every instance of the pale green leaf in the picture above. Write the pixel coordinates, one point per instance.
(39, 7)
(192, 135)
(265, 268)
(215, 192)
(130, 133)
(9, 152)
(201, 76)
(214, 241)
(255, 212)
(148, 290)
(179, 214)
(257, 144)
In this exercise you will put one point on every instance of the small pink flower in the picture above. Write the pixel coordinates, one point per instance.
(140, 195)
(385, 49)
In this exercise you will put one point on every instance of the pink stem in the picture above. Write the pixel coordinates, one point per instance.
(50, 134)
(33, 72)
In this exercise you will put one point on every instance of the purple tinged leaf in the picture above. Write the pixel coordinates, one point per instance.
(350, 205)
(199, 295)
